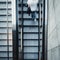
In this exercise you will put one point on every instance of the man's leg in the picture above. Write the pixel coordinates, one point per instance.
(34, 15)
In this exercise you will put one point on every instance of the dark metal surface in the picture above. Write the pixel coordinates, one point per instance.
(44, 47)
(39, 32)
(22, 30)
(15, 35)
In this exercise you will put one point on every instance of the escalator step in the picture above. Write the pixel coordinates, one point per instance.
(26, 12)
(26, 19)
(30, 26)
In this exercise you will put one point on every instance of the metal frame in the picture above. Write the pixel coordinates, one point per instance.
(39, 32)
(44, 49)
(46, 29)
(15, 35)
(22, 30)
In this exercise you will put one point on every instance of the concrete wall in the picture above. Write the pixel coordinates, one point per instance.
(53, 29)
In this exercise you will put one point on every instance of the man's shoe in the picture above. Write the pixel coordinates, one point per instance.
(35, 20)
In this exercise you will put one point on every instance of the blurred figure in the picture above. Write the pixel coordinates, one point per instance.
(32, 4)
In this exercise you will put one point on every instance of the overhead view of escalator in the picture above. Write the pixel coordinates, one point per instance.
(30, 33)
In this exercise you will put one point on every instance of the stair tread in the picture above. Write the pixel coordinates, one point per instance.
(27, 12)
(30, 26)
(27, 18)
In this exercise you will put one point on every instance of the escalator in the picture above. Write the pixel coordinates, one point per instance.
(29, 33)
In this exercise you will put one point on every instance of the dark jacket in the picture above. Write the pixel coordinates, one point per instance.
(29, 11)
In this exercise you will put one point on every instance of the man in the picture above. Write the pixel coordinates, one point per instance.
(33, 6)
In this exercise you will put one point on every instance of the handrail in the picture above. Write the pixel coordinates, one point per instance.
(21, 38)
(39, 32)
